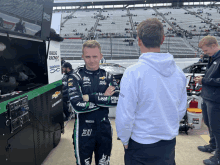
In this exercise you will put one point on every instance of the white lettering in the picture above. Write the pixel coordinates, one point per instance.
(87, 162)
(114, 99)
(90, 121)
(102, 83)
(81, 104)
(102, 98)
(91, 105)
(86, 79)
(87, 132)
(105, 160)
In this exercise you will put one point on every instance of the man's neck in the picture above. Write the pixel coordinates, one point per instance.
(92, 69)
(146, 50)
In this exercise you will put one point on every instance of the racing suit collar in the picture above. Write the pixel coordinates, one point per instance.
(91, 72)
(216, 54)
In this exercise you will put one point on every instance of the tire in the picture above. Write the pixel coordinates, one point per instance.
(56, 135)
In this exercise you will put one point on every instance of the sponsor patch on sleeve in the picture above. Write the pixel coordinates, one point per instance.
(70, 84)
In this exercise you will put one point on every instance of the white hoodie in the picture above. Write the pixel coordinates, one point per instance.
(152, 100)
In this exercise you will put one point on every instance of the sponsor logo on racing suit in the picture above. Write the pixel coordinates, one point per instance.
(105, 160)
(102, 83)
(81, 104)
(86, 79)
(114, 99)
(90, 121)
(102, 78)
(87, 132)
(91, 105)
(102, 98)
(87, 161)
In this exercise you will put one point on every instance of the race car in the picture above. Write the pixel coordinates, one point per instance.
(115, 69)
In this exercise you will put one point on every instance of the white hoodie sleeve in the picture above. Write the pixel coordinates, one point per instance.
(183, 102)
(125, 111)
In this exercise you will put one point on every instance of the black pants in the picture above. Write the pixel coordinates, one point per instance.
(160, 153)
(211, 115)
(92, 135)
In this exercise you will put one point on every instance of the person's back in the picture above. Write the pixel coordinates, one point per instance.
(152, 101)
(159, 84)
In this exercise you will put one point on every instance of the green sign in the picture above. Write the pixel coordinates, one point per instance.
(32, 94)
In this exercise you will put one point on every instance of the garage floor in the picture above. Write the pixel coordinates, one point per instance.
(186, 148)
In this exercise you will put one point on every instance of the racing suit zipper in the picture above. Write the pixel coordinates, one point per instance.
(95, 83)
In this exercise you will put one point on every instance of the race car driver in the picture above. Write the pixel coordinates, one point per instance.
(91, 92)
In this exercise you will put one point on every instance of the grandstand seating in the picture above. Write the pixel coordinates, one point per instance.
(75, 23)
(213, 11)
(145, 14)
(174, 45)
(183, 20)
(179, 47)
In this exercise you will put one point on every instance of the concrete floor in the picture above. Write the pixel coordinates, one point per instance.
(186, 148)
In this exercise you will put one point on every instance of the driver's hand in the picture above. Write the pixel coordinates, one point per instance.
(109, 91)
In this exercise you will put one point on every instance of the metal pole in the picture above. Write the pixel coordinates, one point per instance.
(111, 44)
(169, 45)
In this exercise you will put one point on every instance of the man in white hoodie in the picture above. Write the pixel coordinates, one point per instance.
(152, 101)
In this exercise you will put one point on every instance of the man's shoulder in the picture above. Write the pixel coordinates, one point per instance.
(105, 73)
(134, 68)
(76, 74)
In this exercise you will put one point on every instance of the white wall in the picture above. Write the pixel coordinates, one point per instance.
(181, 62)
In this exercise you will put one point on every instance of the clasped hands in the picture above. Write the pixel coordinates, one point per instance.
(198, 79)
(109, 92)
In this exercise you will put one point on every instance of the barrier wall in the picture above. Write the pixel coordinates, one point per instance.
(181, 62)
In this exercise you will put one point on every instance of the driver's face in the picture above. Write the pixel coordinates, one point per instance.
(210, 51)
(64, 70)
(92, 57)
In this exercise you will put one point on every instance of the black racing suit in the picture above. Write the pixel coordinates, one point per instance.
(65, 93)
(92, 130)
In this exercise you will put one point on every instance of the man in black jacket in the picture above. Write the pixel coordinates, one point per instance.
(67, 70)
(91, 92)
(211, 97)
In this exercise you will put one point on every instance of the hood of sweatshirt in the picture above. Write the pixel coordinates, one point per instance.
(163, 63)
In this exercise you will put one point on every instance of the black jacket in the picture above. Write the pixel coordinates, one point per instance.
(65, 85)
(211, 80)
(94, 84)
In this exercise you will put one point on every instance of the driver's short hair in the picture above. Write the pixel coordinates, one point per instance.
(91, 44)
(208, 41)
